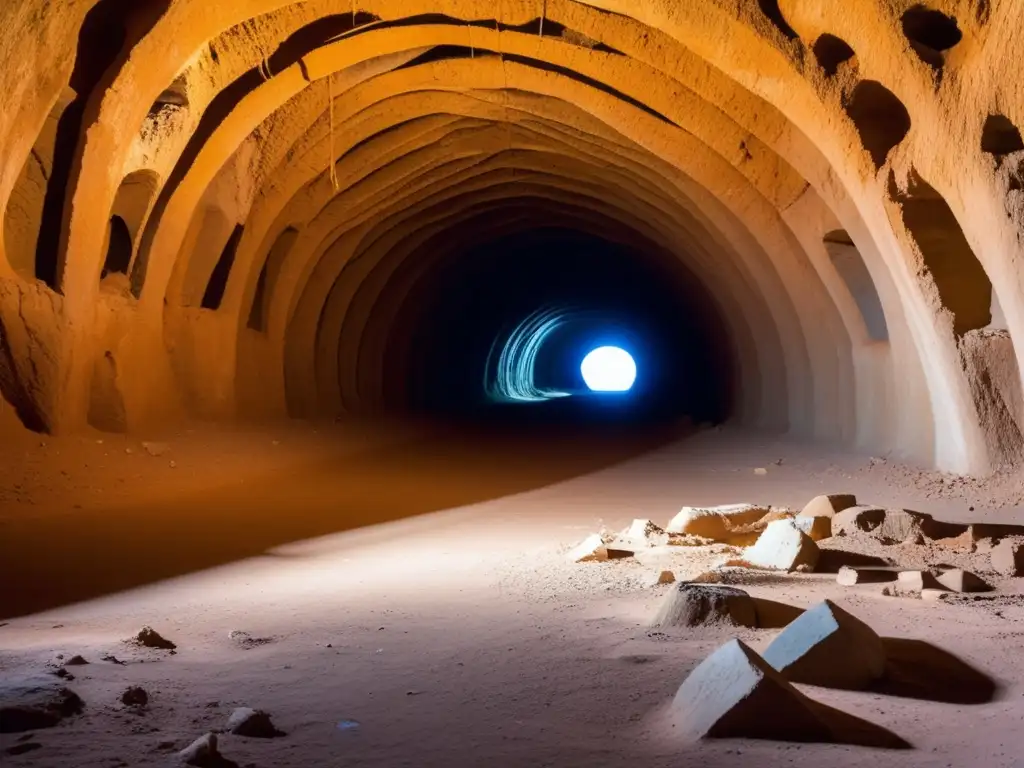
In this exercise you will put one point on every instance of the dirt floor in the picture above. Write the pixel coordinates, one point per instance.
(400, 597)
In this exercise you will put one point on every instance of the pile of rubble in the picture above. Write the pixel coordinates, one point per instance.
(780, 539)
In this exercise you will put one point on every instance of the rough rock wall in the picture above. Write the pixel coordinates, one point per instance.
(347, 150)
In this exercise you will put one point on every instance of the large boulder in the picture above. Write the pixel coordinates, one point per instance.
(783, 547)
(734, 693)
(828, 506)
(695, 605)
(829, 647)
(716, 523)
(31, 702)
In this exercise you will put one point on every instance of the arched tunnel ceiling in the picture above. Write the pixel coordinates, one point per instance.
(319, 160)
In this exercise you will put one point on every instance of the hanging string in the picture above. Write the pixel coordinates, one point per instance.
(333, 170)
(504, 75)
(472, 50)
(543, 15)
(353, 14)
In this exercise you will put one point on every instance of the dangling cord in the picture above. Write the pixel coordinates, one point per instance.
(504, 75)
(333, 160)
(472, 50)
(353, 14)
(265, 72)
(543, 15)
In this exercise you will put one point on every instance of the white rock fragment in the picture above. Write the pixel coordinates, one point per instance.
(783, 547)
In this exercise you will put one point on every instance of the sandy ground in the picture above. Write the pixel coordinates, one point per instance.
(414, 605)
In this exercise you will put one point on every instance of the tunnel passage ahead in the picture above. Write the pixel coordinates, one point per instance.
(523, 311)
(241, 209)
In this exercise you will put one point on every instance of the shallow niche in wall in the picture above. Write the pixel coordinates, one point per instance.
(259, 312)
(880, 118)
(131, 206)
(931, 33)
(770, 8)
(174, 97)
(831, 53)
(218, 283)
(1001, 139)
(963, 286)
(851, 267)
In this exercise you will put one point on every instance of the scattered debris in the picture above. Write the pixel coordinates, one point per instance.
(252, 723)
(935, 594)
(783, 547)
(75, 661)
(156, 449)
(246, 641)
(150, 638)
(695, 605)
(829, 647)
(109, 657)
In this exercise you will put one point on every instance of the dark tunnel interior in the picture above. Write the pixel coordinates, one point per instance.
(463, 312)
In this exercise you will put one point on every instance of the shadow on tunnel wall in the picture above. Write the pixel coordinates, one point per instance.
(59, 559)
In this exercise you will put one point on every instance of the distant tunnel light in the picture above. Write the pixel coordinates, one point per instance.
(608, 369)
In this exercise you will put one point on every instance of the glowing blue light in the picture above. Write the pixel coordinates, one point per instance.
(609, 369)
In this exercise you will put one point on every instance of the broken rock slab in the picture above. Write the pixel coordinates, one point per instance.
(659, 578)
(850, 576)
(253, 724)
(818, 527)
(593, 549)
(715, 523)
(31, 702)
(1008, 557)
(855, 520)
(202, 752)
(829, 647)
(697, 605)
(915, 581)
(783, 547)
(641, 534)
(734, 693)
(959, 580)
(828, 506)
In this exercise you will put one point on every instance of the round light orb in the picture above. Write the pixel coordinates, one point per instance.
(608, 369)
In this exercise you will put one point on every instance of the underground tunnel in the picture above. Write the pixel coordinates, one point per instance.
(494, 378)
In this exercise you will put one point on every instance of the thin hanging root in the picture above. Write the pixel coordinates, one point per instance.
(472, 50)
(332, 169)
(543, 15)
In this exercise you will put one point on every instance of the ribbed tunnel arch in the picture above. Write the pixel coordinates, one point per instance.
(316, 173)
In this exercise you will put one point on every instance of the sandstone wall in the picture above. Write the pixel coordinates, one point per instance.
(843, 179)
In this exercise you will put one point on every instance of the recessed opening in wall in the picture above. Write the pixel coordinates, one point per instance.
(881, 119)
(962, 283)
(1000, 137)
(214, 293)
(257, 318)
(119, 248)
(831, 52)
(851, 267)
(175, 96)
(770, 8)
(930, 33)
